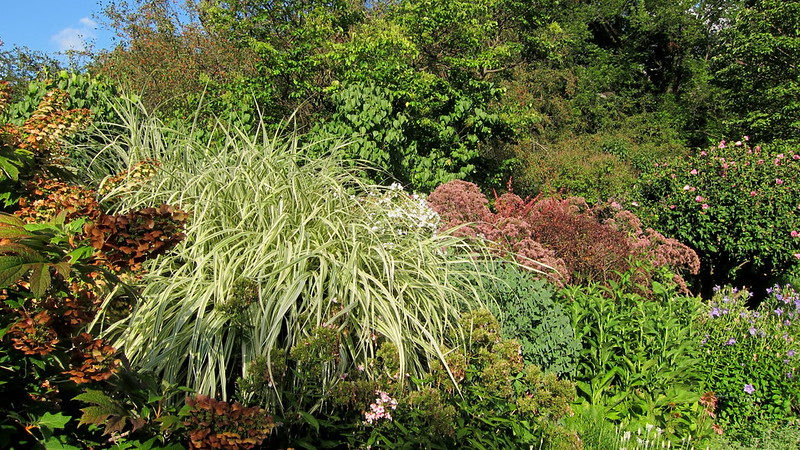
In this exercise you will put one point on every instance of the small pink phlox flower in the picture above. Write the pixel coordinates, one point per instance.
(738, 143)
(778, 181)
(703, 153)
(795, 233)
(699, 198)
(704, 206)
(721, 144)
(797, 255)
(746, 138)
(693, 172)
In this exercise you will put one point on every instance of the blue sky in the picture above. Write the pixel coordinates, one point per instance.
(52, 25)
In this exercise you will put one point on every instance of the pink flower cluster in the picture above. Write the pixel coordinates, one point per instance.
(380, 409)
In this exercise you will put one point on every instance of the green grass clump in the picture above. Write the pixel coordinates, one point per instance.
(277, 245)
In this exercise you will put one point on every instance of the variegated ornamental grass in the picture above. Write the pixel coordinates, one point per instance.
(277, 245)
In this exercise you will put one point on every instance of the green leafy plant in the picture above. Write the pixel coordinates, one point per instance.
(639, 358)
(751, 360)
(530, 313)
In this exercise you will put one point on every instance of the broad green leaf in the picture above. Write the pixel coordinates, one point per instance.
(53, 421)
(40, 279)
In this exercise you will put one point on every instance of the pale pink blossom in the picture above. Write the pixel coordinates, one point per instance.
(704, 206)
(699, 198)
(693, 172)
(778, 181)
(795, 233)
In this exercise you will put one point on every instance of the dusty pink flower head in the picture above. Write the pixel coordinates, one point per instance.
(778, 181)
(738, 143)
(704, 206)
(746, 138)
(797, 255)
(687, 187)
(795, 233)
(699, 198)
(693, 172)
(753, 193)
(721, 144)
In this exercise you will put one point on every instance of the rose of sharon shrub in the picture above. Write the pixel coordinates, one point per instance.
(738, 206)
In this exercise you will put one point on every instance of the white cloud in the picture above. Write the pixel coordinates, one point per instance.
(88, 23)
(75, 38)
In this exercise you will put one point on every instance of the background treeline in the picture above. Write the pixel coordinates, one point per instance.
(573, 96)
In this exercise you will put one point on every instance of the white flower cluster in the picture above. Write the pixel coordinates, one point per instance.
(398, 213)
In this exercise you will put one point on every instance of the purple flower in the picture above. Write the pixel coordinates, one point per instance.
(731, 341)
(753, 331)
(749, 389)
(790, 353)
(714, 312)
(778, 312)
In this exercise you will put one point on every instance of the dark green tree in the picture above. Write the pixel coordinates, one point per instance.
(758, 68)
(21, 65)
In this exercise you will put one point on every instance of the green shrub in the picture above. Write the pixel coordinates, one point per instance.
(496, 402)
(751, 360)
(420, 143)
(639, 361)
(734, 204)
(529, 313)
